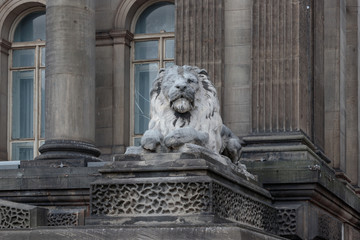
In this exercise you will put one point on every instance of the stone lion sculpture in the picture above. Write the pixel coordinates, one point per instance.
(184, 108)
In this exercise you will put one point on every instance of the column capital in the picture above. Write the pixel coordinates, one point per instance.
(4, 46)
(122, 37)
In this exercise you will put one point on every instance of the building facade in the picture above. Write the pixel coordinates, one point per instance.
(75, 78)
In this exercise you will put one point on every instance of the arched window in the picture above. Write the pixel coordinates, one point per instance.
(27, 86)
(153, 48)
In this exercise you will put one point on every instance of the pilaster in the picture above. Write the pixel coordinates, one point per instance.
(4, 52)
(282, 66)
(200, 37)
(121, 89)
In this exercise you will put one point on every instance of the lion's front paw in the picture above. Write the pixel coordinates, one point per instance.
(151, 139)
(174, 139)
(181, 136)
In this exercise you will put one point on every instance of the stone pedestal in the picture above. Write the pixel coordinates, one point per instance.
(313, 201)
(178, 188)
(70, 81)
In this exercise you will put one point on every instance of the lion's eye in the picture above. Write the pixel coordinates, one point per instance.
(190, 80)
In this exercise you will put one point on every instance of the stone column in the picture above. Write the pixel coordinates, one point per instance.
(351, 90)
(282, 66)
(4, 54)
(200, 37)
(70, 81)
(335, 84)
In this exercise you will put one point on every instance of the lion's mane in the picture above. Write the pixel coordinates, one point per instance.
(204, 115)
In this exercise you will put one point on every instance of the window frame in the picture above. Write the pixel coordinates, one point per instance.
(37, 45)
(161, 60)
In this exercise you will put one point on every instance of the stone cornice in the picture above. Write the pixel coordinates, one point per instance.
(114, 37)
(4, 46)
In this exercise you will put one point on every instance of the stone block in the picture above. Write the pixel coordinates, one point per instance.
(237, 75)
(21, 216)
(104, 97)
(104, 118)
(237, 19)
(235, 37)
(231, 5)
(235, 55)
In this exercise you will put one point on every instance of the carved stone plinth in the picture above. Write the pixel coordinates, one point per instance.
(313, 201)
(178, 188)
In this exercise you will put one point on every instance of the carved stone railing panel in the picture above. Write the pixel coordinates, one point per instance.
(286, 218)
(21, 216)
(12, 218)
(241, 208)
(65, 217)
(150, 198)
(180, 199)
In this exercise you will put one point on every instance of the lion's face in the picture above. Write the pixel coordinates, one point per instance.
(183, 96)
(180, 88)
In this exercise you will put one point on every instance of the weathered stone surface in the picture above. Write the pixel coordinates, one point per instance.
(66, 217)
(48, 186)
(296, 173)
(70, 81)
(180, 188)
(21, 216)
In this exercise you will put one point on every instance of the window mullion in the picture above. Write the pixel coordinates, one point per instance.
(36, 101)
(161, 50)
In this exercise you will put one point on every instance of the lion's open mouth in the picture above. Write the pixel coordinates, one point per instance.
(181, 105)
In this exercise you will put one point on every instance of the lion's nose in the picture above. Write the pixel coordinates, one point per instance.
(181, 86)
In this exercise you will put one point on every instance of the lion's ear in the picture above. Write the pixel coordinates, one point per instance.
(203, 71)
(161, 70)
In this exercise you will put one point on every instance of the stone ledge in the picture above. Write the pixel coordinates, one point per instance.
(174, 232)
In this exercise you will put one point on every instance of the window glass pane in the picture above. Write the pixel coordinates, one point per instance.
(169, 48)
(43, 57)
(23, 151)
(159, 17)
(146, 50)
(144, 76)
(137, 141)
(22, 104)
(42, 123)
(23, 58)
(31, 28)
(169, 64)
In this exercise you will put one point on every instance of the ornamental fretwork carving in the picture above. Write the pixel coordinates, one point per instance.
(150, 198)
(62, 219)
(14, 218)
(241, 208)
(286, 221)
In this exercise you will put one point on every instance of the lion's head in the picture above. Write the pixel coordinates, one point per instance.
(183, 96)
